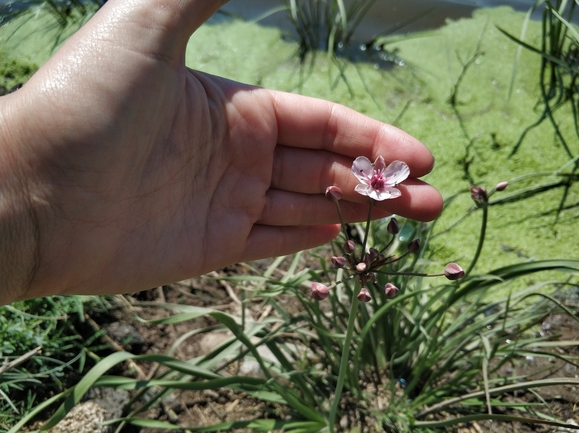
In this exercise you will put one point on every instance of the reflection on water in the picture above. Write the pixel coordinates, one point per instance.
(385, 15)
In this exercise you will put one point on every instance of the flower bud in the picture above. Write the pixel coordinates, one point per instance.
(320, 291)
(414, 245)
(368, 259)
(479, 195)
(349, 247)
(501, 186)
(393, 227)
(374, 253)
(453, 271)
(339, 262)
(361, 267)
(391, 290)
(364, 295)
(333, 193)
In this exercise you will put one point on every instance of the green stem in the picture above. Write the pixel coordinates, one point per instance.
(481, 240)
(367, 227)
(345, 356)
(342, 223)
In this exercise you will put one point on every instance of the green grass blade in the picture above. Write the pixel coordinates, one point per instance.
(494, 417)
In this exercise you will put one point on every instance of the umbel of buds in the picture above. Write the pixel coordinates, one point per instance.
(479, 196)
(453, 271)
(379, 181)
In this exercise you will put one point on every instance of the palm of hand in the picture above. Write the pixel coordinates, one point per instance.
(187, 167)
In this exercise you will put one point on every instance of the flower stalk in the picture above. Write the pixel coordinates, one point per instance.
(345, 356)
(378, 181)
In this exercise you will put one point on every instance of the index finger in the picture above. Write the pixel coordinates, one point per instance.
(317, 124)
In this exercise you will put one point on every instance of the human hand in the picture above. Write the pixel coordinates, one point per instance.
(130, 170)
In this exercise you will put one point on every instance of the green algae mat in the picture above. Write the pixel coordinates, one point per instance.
(454, 88)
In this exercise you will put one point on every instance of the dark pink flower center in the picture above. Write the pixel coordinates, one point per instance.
(377, 182)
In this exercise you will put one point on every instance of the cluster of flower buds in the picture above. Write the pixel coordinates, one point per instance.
(364, 269)
(480, 195)
(378, 181)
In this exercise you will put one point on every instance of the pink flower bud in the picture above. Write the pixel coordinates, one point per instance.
(361, 267)
(453, 271)
(391, 290)
(501, 186)
(414, 245)
(368, 259)
(374, 253)
(339, 262)
(333, 193)
(349, 247)
(479, 195)
(320, 291)
(364, 295)
(393, 227)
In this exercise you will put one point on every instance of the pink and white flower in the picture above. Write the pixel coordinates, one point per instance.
(377, 180)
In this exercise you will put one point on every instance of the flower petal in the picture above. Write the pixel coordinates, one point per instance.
(379, 164)
(396, 172)
(362, 168)
(385, 194)
(363, 189)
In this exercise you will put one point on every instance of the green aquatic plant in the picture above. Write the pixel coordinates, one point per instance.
(558, 81)
(325, 24)
(14, 73)
(63, 10)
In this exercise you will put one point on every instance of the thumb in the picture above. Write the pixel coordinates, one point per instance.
(160, 28)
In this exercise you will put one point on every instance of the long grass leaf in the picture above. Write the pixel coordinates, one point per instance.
(494, 417)
(85, 384)
(499, 390)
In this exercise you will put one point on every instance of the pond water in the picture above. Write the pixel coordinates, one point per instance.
(385, 15)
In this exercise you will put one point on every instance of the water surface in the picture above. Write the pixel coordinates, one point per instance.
(385, 15)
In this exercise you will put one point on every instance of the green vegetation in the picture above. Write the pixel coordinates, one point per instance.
(14, 73)
(46, 330)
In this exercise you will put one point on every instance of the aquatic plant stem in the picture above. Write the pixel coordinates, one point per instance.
(481, 240)
(345, 356)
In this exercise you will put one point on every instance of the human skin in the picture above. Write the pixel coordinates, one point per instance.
(121, 169)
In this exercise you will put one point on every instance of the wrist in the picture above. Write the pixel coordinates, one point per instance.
(19, 231)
